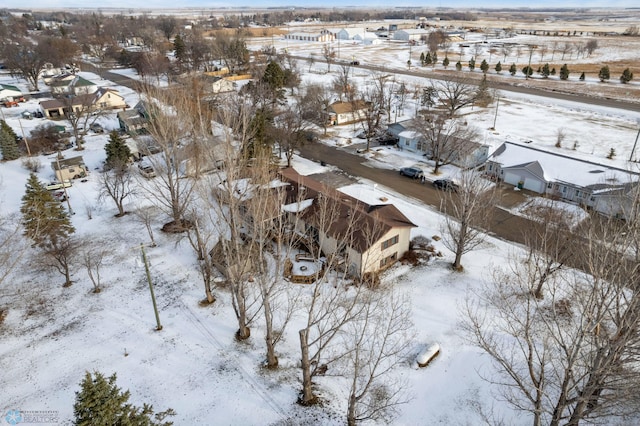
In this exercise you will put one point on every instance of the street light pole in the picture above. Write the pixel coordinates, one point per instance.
(495, 117)
(153, 296)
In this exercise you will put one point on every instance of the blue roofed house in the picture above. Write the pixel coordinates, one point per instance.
(605, 189)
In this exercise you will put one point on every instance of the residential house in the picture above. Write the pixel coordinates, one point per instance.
(134, 121)
(69, 168)
(72, 86)
(461, 153)
(347, 112)
(602, 188)
(10, 92)
(101, 99)
(369, 238)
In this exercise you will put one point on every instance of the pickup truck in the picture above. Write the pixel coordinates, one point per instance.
(53, 186)
(412, 172)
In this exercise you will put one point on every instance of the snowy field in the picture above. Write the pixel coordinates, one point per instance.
(52, 335)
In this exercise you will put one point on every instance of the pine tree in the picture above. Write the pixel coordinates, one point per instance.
(564, 72)
(604, 74)
(528, 71)
(118, 153)
(545, 71)
(180, 49)
(484, 66)
(445, 62)
(101, 402)
(274, 76)
(626, 76)
(422, 58)
(6, 128)
(582, 77)
(44, 219)
(498, 67)
(513, 69)
(427, 59)
(472, 64)
(458, 66)
(8, 146)
(553, 71)
(612, 154)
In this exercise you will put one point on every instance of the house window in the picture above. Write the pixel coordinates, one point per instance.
(407, 142)
(549, 185)
(490, 167)
(391, 241)
(564, 189)
(389, 259)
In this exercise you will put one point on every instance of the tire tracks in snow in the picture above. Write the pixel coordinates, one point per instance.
(259, 389)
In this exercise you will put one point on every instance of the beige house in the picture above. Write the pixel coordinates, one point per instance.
(369, 238)
(347, 112)
(69, 168)
(102, 99)
(72, 85)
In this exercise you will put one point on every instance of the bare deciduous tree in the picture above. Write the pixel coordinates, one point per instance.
(444, 140)
(117, 185)
(329, 55)
(93, 256)
(455, 94)
(466, 212)
(376, 342)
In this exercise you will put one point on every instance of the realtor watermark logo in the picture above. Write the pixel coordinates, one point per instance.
(24, 417)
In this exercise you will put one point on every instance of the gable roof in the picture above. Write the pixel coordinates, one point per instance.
(346, 107)
(560, 168)
(363, 224)
(9, 87)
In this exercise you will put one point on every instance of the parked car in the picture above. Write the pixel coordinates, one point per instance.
(445, 185)
(96, 128)
(412, 172)
(146, 169)
(60, 196)
(387, 140)
(354, 63)
(54, 186)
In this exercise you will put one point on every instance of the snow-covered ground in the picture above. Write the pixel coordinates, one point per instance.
(51, 334)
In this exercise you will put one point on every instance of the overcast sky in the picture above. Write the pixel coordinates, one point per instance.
(147, 4)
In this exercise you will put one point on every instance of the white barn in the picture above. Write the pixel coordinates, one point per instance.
(417, 34)
(350, 33)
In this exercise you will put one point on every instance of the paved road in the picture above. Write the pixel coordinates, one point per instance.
(501, 223)
(553, 91)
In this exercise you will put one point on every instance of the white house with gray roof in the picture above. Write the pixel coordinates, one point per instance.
(602, 188)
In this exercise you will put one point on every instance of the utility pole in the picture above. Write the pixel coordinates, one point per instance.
(633, 150)
(153, 296)
(24, 138)
(495, 117)
(64, 188)
(532, 47)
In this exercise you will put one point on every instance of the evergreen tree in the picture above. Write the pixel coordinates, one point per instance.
(582, 76)
(513, 69)
(274, 76)
(6, 128)
(180, 49)
(604, 74)
(498, 67)
(100, 402)
(445, 62)
(545, 71)
(44, 219)
(427, 59)
(458, 66)
(8, 146)
(553, 71)
(626, 76)
(472, 64)
(528, 71)
(612, 154)
(422, 58)
(564, 72)
(484, 66)
(118, 153)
